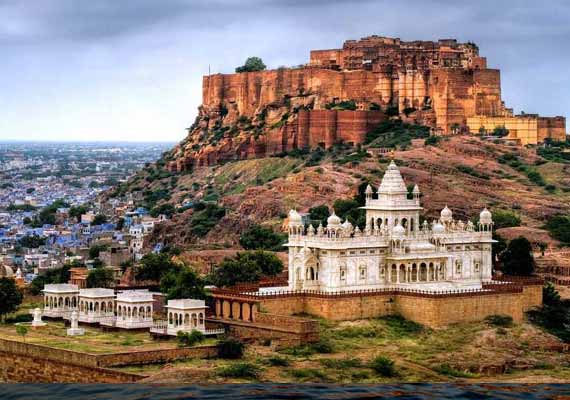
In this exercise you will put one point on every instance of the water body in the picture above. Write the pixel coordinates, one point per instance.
(283, 391)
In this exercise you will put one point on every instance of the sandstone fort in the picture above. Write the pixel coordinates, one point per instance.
(341, 94)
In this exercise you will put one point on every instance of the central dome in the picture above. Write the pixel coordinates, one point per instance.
(392, 182)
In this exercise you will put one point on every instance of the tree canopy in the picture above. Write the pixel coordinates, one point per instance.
(246, 267)
(154, 266)
(100, 278)
(99, 219)
(32, 241)
(56, 275)
(517, 259)
(10, 296)
(183, 283)
(252, 64)
(261, 238)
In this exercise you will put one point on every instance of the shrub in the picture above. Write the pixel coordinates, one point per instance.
(505, 219)
(536, 178)
(383, 366)
(504, 321)
(277, 361)
(395, 133)
(357, 332)
(448, 370)
(432, 140)
(189, 339)
(308, 373)
(204, 220)
(230, 348)
(399, 326)
(240, 370)
(559, 228)
(340, 364)
(323, 346)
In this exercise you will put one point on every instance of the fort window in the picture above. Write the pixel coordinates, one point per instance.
(362, 272)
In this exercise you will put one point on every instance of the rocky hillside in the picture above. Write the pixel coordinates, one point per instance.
(211, 205)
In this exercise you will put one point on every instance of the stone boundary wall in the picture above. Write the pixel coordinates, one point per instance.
(27, 362)
(155, 356)
(30, 363)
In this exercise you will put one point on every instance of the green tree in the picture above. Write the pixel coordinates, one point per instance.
(56, 275)
(10, 297)
(505, 219)
(99, 219)
(246, 267)
(77, 212)
(182, 284)
(261, 238)
(500, 131)
(154, 266)
(100, 278)
(32, 241)
(96, 249)
(319, 214)
(517, 259)
(252, 64)
(231, 271)
(166, 209)
(22, 330)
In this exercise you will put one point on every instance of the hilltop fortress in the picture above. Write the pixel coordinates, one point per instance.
(341, 94)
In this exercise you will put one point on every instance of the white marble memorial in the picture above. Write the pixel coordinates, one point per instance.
(394, 250)
(75, 330)
(38, 318)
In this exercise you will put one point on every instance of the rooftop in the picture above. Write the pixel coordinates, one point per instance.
(97, 292)
(60, 288)
(186, 303)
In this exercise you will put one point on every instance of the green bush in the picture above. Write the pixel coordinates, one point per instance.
(399, 326)
(448, 370)
(277, 361)
(204, 220)
(383, 366)
(340, 364)
(504, 321)
(308, 374)
(432, 140)
(559, 228)
(230, 348)
(243, 370)
(505, 219)
(536, 178)
(189, 339)
(396, 134)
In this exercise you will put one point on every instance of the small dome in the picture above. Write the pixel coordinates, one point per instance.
(438, 228)
(347, 225)
(295, 218)
(398, 230)
(485, 217)
(446, 214)
(416, 189)
(333, 220)
(368, 190)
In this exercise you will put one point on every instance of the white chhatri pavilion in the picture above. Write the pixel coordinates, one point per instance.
(60, 299)
(394, 250)
(184, 315)
(96, 304)
(134, 309)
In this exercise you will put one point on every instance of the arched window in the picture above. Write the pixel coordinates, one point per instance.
(194, 321)
(186, 319)
(343, 272)
(394, 273)
(170, 319)
(201, 319)
(423, 272)
(458, 267)
(414, 272)
(362, 272)
(402, 273)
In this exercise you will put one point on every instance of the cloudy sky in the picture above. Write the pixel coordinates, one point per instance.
(131, 69)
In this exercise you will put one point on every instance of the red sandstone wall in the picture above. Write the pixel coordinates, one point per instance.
(552, 127)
